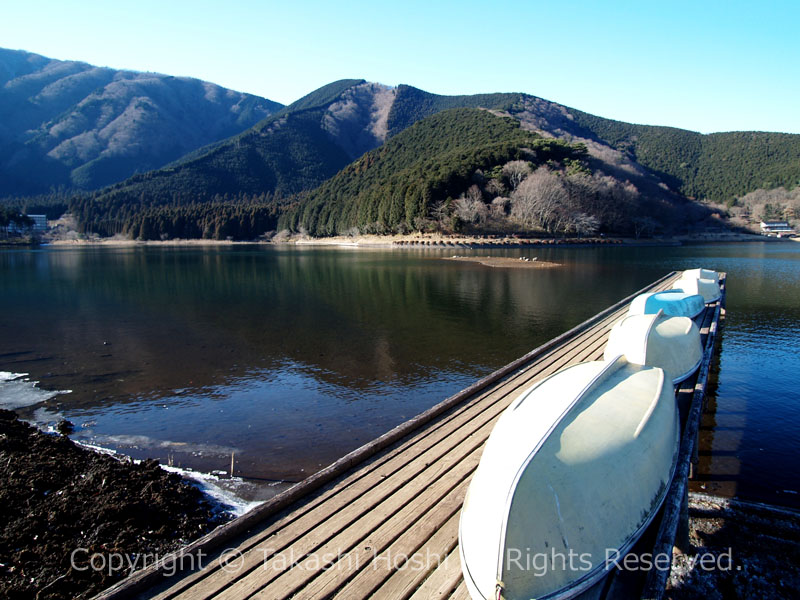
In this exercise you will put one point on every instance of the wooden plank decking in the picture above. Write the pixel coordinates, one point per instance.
(383, 522)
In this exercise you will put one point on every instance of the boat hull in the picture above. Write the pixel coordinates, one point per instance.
(674, 303)
(707, 288)
(574, 469)
(700, 274)
(670, 343)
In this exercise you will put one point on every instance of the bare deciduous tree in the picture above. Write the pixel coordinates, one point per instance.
(474, 193)
(582, 224)
(516, 171)
(441, 213)
(540, 200)
(470, 210)
(495, 188)
(499, 207)
(643, 226)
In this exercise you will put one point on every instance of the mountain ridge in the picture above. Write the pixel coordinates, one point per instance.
(284, 155)
(71, 124)
(616, 152)
(301, 147)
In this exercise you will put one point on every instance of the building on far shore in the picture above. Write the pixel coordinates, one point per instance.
(38, 226)
(39, 223)
(777, 229)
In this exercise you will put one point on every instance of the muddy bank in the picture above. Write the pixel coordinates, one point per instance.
(74, 521)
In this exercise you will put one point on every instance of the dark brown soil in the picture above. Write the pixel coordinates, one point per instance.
(751, 551)
(72, 521)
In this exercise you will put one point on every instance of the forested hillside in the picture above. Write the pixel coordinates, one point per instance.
(412, 105)
(468, 169)
(717, 166)
(438, 163)
(284, 154)
(287, 153)
(308, 142)
(397, 183)
(66, 124)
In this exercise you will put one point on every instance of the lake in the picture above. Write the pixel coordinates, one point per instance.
(290, 357)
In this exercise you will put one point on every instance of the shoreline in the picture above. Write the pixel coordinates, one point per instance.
(66, 505)
(422, 241)
(735, 537)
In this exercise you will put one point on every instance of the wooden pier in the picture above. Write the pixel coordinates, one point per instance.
(382, 521)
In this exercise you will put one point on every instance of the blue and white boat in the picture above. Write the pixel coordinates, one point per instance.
(673, 303)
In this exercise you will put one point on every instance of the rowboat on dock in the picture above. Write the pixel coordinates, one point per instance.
(573, 471)
(673, 303)
(700, 281)
(670, 343)
(700, 274)
(707, 288)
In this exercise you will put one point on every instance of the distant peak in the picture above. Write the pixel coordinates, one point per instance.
(359, 119)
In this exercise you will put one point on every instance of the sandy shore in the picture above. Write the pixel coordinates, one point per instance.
(505, 262)
(424, 241)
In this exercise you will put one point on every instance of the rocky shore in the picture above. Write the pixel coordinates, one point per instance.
(737, 550)
(75, 521)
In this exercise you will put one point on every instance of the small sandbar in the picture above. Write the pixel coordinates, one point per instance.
(506, 262)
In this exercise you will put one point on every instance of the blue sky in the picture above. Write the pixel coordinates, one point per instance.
(704, 65)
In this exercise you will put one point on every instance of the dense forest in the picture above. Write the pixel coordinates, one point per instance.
(470, 170)
(717, 166)
(241, 217)
(53, 205)
(412, 105)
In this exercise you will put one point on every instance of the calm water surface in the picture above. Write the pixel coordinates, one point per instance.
(290, 358)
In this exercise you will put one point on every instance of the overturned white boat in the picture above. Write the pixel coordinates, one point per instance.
(670, 343)
(674, 303)
(700, 281)
(573, 472)
(707, 288)
(700, 274)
